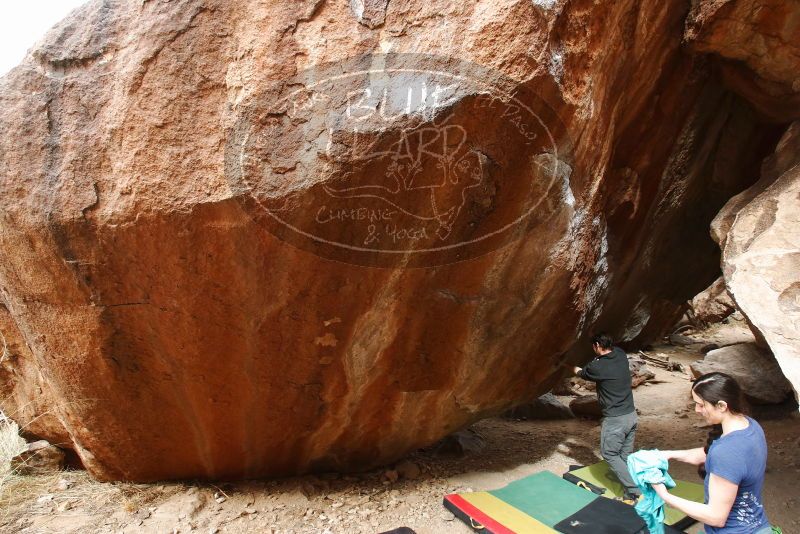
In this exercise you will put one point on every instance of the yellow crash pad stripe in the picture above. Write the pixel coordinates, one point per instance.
(505, 514)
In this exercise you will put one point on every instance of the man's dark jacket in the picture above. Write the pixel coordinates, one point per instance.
(613, 377)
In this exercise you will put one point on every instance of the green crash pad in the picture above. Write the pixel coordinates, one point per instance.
(544, 496)
(544, 503)
(600, 476)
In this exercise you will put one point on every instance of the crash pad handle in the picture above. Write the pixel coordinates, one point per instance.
(476, 526)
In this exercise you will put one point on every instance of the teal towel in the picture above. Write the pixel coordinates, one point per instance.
(650, 467)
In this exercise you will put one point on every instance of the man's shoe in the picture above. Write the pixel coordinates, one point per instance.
(630, 500)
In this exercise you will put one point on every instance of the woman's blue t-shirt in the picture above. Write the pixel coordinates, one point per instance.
(740, 457)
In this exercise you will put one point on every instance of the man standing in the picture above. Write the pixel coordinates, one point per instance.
(612, 374)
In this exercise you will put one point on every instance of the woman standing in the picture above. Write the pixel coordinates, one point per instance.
(735, 462)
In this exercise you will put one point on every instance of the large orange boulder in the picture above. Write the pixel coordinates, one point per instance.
(248, 238)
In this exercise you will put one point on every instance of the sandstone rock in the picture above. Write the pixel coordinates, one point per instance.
(756, 47)
(755, 44)
(370, 13)
(460, 443)
(682, 341)
(759, 234)
(545, 407)
(581, 386)
(755, 369)
(38, 458)
(64, 506)
(565, 387)
(586, 406)
(26, 395)
(408, 470)
(400, 530)
(640, 373)
(713, 304)
(186, 245)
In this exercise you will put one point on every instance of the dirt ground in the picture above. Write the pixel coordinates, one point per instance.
(370, 502)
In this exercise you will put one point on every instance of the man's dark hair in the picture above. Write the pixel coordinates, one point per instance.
(602, 339)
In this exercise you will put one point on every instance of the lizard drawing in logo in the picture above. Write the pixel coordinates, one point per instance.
(424, 172)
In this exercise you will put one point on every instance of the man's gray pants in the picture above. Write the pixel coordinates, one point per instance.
(616, 444)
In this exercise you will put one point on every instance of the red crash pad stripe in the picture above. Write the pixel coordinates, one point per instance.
(478, 516)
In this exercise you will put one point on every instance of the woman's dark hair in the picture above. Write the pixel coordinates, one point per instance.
(714, 433)
(604, 340)
(713, 388)
(716, 387)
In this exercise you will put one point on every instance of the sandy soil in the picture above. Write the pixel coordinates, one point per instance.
(372, 503)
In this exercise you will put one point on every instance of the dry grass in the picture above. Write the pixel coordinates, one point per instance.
(18, 492)
(10, 445)
(14, 488)
(24, 495)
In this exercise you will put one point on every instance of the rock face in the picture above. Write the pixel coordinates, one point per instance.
(755, 45)
(759, 234)
(586, 406)
(713, 304)
(251, 238)
(640, 373)
(545, 407)
(38, 458)
(754, 368)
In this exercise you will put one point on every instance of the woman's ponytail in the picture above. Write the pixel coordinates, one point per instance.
(714, 433)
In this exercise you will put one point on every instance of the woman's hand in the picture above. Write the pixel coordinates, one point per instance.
(721, 494)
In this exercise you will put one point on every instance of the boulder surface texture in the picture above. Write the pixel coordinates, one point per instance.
(755, 46)
(759, 234)
(754, 368)
(250, 238)
(713, 304)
